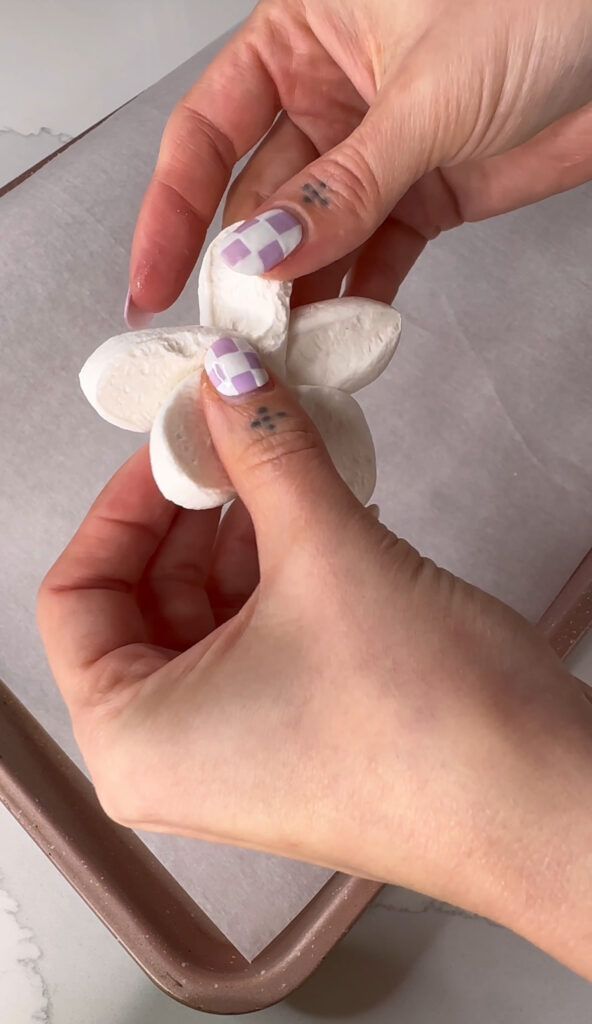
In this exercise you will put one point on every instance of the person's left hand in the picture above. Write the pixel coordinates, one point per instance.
(358, 707)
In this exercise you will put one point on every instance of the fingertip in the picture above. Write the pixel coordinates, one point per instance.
(168, 237)
(135, 318)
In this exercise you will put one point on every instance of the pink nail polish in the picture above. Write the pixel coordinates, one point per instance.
(259, 244)
(135, 317)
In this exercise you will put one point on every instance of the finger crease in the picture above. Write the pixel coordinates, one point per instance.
(452, 196)
(135, 526)
(220, 141)
(178, 574)
(93, 583)
(182, 198)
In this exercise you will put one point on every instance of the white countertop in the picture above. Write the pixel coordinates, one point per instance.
(408, 959)
(65, 65)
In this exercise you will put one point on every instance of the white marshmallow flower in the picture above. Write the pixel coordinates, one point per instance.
(149, 380)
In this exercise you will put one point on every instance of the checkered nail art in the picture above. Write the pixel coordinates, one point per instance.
(233, 367)
(261, 243)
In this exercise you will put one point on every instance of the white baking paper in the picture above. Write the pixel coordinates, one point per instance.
(482, 422)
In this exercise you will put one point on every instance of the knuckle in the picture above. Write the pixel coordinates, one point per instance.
(388, 543)
(352, 178)
(400, 558)
(190, 134)
(289, 449)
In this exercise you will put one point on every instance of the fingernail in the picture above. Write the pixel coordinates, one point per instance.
(234, 368)
(135, 317)
(259, 244)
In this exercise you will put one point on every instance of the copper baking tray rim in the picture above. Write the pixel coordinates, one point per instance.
(150, 914)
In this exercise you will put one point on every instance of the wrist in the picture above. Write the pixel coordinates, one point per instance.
(511, 835)
(541, 873)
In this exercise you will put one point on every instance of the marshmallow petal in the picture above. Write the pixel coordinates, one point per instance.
(252, 306)
(344, 343)
(184, 462)
(129, 377)
(343, 427)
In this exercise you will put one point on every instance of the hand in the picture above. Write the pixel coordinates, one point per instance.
(357, 707)
(404, 119)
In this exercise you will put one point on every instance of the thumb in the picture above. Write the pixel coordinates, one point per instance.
(274, 456)
(336, 202)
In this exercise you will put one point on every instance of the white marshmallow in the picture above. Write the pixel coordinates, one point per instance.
(251, 306)
(342, 343)
(128, 377)
(343, 427)
(150, 379)
(184, 462)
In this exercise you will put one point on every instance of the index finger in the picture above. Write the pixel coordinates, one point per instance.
(87, 606)
(225, 113)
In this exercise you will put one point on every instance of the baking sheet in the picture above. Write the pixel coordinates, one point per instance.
(481, 423)
(579, 662)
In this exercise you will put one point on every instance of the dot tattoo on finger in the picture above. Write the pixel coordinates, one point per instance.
(266, 419)
(315, 194)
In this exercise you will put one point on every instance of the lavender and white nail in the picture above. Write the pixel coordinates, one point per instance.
(259, 244)
(233, 367)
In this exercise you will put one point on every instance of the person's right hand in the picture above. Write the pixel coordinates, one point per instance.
(402, 119)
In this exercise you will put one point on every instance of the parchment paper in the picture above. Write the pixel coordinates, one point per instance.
(481, 423)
